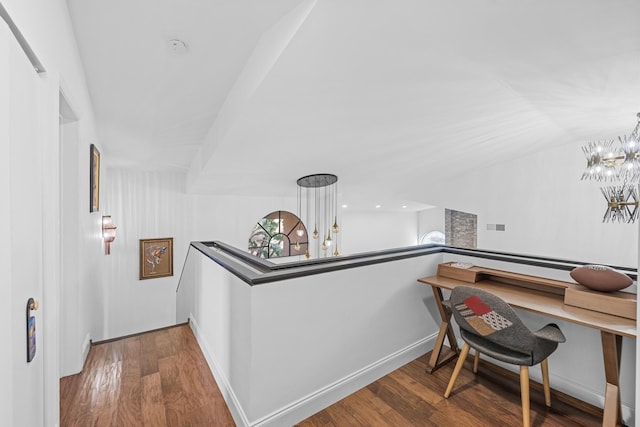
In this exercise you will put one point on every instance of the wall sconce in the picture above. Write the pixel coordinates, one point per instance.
(108, 233)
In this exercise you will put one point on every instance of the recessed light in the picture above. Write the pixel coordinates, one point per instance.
(404, 206)
(378, 206)
(345, 206)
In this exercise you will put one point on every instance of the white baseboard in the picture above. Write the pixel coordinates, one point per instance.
(229, 396)
(86, 345)
(332, 393)
(590, 396)
(308, 405)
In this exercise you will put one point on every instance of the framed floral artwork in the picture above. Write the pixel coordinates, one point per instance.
(156, 258)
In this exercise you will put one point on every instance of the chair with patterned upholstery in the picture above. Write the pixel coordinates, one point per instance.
(490, 326)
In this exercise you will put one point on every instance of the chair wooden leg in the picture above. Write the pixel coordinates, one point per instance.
(545, 381)
(476, 359)
(456, 371)
(524, 393)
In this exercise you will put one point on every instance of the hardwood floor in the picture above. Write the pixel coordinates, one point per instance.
(411, 397)
(162, 379)
(155, 379)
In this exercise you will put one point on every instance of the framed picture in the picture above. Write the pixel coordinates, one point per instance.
(156, 258)
(94, 179)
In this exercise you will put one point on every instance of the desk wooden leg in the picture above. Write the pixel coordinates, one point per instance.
(435, 360)
(612, 351)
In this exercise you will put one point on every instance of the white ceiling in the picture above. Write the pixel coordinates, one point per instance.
(390, 95)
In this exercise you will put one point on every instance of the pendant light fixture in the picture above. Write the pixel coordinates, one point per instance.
(322, 189)
(609, 162)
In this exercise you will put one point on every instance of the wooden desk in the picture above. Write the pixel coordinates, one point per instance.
(546, 297)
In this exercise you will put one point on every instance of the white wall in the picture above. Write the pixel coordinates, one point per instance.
(153, 204)
(146, 204)
(319, 338)
(430, 220)
(230, 219)
(72, 355)
(142, 205)
(368, 231)
(282, 333)
(547, 210)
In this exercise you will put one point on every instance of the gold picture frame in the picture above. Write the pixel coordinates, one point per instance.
(94, 179)
(156, 258)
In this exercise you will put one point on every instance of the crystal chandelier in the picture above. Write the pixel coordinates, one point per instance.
(610, 162)
(321, 196)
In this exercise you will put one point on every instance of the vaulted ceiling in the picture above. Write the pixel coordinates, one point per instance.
(383, 93)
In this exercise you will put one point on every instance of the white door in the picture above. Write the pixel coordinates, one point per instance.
(6, 360)
(21, 218)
